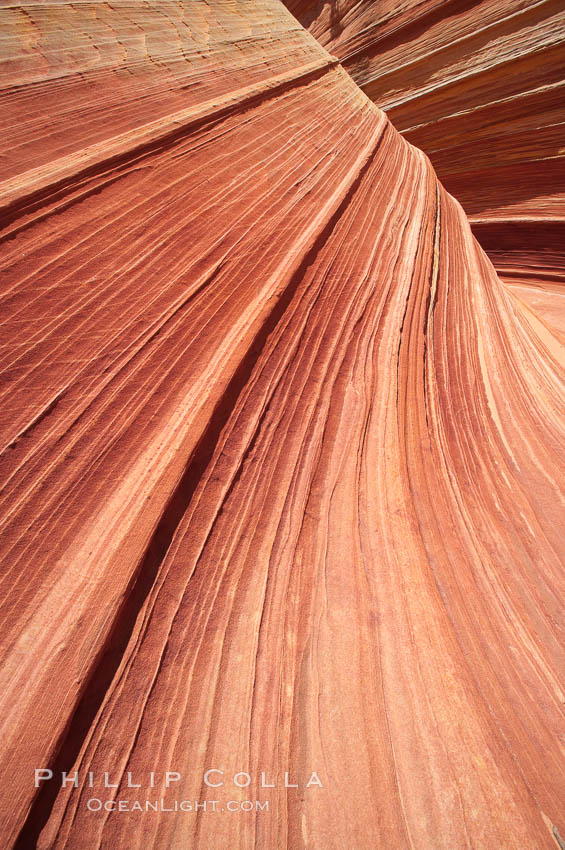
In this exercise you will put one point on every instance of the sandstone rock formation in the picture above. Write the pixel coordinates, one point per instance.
(479, 87)
(281, 456)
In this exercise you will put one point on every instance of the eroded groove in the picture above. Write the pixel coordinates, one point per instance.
(110, 656)
(390, 39)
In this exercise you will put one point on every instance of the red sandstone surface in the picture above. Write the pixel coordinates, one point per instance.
(282, 458)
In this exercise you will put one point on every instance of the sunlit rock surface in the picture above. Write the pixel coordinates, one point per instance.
(281, 456)
(478, 86)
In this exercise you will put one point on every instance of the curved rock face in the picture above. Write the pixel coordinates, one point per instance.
(479, 87)
(281, 459)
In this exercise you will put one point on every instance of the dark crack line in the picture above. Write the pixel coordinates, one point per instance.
(110, 656)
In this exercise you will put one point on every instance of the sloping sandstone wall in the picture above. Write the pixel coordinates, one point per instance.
(281, 456)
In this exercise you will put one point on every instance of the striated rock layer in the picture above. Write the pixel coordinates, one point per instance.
(281, 456)
(479, 86)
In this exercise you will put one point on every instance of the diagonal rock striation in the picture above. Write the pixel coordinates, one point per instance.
(281, 457)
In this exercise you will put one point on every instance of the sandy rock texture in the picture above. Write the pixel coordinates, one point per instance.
(479, 87)
(282, 458)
